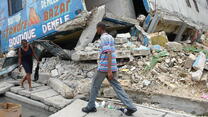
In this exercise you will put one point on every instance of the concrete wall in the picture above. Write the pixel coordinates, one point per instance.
(180, 9)
(123, 8)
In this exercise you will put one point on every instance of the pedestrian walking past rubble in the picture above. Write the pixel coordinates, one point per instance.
(107, 68)
(25, 60)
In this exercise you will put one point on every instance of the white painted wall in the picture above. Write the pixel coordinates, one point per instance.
(123, 8)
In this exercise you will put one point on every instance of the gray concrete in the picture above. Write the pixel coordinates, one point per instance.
(121, 8)
(154, 23)
(26, 100)
(103, 112)
(73, 110)
(57, 101)
(16, 89)
(61, 88)
(180, 32)
(44, 94)
(4, 87)
(28, 93)
(89, 32)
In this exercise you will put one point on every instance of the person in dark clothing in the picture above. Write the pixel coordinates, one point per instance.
(26, 54)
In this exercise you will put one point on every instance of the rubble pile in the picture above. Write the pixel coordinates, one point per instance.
(153, 68)
(67, 69)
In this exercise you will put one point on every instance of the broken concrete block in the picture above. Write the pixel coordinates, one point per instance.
(189, 61)
(74, 110)
(196, 76)
(61, 88)
(16, 89)
(124, 35)
(174, 46)
(141, 51)
(57, 101)
(109, 92)
(200, 62)
(146, 83)
(4, 87)
(26, 100)
(54, 73)
(121, 40)
(89, 32)
(60, 69)
(159, 38)
(123, 53)
(44, 94)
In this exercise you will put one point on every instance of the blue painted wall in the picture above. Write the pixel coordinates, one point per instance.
(37, 19)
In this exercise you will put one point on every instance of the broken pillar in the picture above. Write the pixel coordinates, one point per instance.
(89, 32)
(61, 88)
(154, 23)
(181, 31)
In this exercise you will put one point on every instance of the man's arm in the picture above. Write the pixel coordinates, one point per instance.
(110, 74)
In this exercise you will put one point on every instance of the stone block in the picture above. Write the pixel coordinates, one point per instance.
(61, 88)
(72, 110)
(4, 87)
(44, 94)
(58, 102)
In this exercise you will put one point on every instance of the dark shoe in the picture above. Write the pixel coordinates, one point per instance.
(127, 111)
(86, 110)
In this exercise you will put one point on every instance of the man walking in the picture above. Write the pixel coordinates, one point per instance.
(107, 67)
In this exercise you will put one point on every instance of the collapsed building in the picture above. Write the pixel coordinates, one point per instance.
(143, 29)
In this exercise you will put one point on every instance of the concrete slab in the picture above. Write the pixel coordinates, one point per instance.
(177, 115)
(146, 112)
(61, 88)
(4, 87)
(16, 89)
(26, 100)
(44, 94)
(72, 110)
(103, 112)
(28, 93)
(58, 102)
